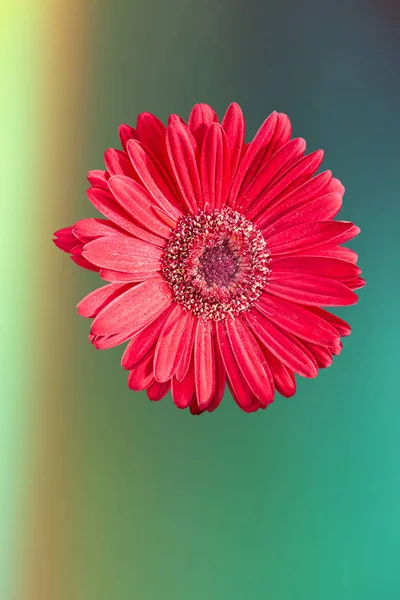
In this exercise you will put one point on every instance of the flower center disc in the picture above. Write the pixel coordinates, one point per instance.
(216, 263)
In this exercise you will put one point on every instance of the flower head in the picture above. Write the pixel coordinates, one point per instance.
(219, 256)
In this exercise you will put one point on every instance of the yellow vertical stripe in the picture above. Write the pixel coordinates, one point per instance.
(41, 45)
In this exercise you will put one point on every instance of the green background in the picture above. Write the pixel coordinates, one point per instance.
(138, 500)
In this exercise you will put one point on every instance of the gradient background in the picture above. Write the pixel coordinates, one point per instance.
(105, 495)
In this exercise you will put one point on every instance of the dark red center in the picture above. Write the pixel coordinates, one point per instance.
(218, 265)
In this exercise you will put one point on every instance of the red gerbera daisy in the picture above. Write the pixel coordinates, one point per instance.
(219, 256)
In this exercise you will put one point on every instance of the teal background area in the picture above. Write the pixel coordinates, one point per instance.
(299, 502)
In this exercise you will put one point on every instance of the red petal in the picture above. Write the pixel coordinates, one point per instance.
(240, 390)
(172, 118)
(126, 133)
(90, 229)
(157, 390)
(170, 222)
(65, 233)
(355, 283)
(254, 403)
(120, 252)
(284, 346)
(98, 178)
(284, 379)
(182, 151)
(66, 240)
(308, 235)
(138, 204)
(335, 187)
(82, 262)
(187, 349)
(94, 302)
(309, 190)
(150, 131)
(280, 137)
(274, 168)
(105, 202)
(118, 277)
(291, 179)
(204, 363)
(310, 289)
(134, 309)
(315, 265)
(253, 155)
(154, 178)
(66, 246)
(141, 376)
(220, 378)
(194, 408)
(251, 360)
(336, 350)
(329, 251)
(321, 354)
(183, 391)
(144, 341)
(215, 174)
(169, 345)
(341, 326)
(298, 320)
(322, 208)
(118, 163)
(200, 119)
(106, 342)
(234, 126)
(77, 250)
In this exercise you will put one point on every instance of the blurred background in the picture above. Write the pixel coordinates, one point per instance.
(105, 494)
